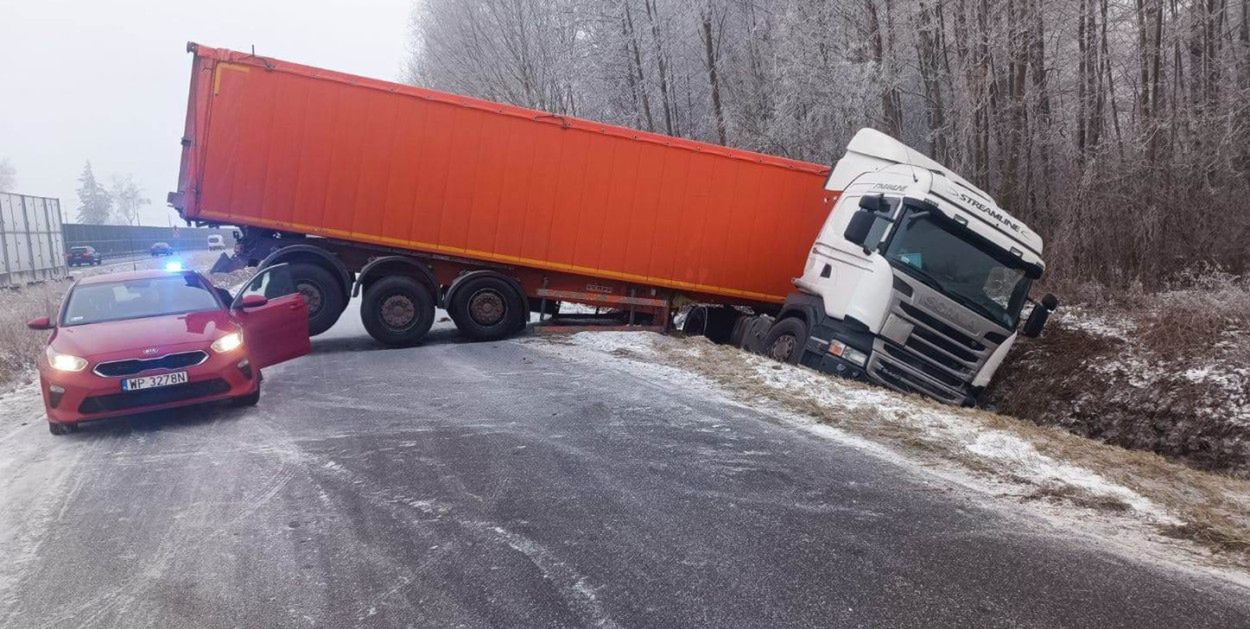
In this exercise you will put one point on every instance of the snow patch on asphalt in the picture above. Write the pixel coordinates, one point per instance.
(1003, 449)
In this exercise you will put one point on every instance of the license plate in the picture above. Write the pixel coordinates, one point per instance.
(152, 382)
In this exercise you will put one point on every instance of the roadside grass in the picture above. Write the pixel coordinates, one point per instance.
(20, 346)
(1047, 463)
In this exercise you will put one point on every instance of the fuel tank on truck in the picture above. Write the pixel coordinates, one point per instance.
(288, 147)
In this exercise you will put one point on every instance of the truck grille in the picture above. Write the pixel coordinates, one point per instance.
(180, 360)
(152, 397)
(936, 359)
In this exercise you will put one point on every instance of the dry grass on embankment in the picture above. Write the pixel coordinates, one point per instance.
(1167, 373)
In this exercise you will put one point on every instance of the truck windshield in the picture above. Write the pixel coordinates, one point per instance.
(975, 274)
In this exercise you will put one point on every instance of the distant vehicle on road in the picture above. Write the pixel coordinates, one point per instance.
(124, 343)
(162, 249)
(80, 256)
(216, 242)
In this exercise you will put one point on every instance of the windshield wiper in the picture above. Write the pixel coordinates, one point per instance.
(933, 283)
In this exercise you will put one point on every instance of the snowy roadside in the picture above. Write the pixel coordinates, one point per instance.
(1163, 373)
(1114, 493)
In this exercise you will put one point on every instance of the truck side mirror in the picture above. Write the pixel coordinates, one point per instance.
(860, 226)
(874, 203)
(1037, 319)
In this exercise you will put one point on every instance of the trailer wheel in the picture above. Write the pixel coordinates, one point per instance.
(786, 340)
(397, 311)
(487, 308)
(323, 294)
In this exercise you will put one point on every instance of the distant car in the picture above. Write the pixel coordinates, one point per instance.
(125, 343)
(216, 242)
(162, 249)
(79, 256)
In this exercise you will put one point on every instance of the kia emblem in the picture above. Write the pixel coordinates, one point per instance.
(149, 351)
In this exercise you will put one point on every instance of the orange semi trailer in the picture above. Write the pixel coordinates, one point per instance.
(421, 198)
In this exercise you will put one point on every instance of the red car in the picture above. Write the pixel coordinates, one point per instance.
(125, 343)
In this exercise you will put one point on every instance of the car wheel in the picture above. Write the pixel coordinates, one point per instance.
(321, 292)
(786, 340)
(397, 311)
(251, 399)
(59, 429)
(487, 308)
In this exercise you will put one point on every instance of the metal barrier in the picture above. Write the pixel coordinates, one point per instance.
(124, 240)
(30, 230)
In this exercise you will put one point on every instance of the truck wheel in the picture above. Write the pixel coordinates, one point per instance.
(487, 308)
(397, 311)
(786, 340)
(323, 294)
(696, 322)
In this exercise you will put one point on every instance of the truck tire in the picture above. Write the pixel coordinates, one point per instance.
(696, 322)
(487, 308)
(323, 294)
(397, 311)
(786, 340)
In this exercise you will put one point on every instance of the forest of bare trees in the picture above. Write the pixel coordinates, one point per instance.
(1120, 129)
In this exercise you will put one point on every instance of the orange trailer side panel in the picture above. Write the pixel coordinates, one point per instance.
(284, 146)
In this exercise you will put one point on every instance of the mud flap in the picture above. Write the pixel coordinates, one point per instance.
(227, 264)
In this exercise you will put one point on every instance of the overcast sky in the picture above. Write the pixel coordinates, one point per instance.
(106, 80)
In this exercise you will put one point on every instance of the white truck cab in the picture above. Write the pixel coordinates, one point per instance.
(917, 280)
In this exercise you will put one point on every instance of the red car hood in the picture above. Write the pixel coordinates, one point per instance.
(132, 336)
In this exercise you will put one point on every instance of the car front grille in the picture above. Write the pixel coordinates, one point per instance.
(131, 367)
(152, 397)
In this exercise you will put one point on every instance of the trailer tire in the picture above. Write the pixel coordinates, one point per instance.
(397, 311)
(323, 294)
(487, 308)
(786, 340)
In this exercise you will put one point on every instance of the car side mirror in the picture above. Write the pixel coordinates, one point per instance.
(860, 226)
(1037, 319)
(252, 301)
(41, 323)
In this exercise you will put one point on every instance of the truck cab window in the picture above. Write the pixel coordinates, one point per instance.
(962, 268)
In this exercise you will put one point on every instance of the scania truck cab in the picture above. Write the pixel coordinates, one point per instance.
(917, 280)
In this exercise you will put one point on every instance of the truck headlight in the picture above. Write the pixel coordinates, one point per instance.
(65, 362)
(228, 343)
(848, 353)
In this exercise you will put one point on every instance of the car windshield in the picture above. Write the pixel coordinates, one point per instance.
(78, 250)
(138, 298)
(970, 272)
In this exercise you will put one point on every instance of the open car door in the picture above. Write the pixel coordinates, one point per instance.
(274, 317)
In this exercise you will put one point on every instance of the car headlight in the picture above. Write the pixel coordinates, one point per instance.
(228, 343)
(65, 362)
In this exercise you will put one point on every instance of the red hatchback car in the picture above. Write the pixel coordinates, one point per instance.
(126, 343)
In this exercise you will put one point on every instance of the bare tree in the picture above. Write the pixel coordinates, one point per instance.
(8, 176)
(128, 200)
(1120, 129)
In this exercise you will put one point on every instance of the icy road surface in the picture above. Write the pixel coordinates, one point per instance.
(493, 485)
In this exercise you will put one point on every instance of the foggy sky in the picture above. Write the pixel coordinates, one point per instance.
(106, 80)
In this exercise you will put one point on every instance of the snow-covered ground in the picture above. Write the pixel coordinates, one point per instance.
(1000, 456)
(1166, 375)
